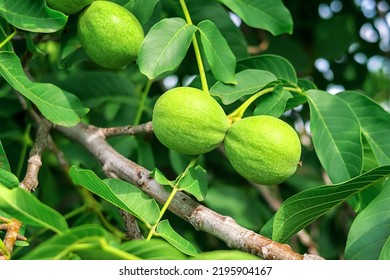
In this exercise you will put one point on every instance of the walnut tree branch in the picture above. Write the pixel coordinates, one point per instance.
(30, 181)
(201, 217)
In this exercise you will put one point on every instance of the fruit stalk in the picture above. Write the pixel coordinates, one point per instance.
(198, 56)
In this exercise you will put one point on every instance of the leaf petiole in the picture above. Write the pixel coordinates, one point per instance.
(9, 38)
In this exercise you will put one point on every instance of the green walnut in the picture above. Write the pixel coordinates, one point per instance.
(110, 35)
(263, 149)
(189, 121)
(68, 7)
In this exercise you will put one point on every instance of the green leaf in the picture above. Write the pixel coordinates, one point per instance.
(385, 253)
(58, 246)
(273, 104)
(270, 15)
(277, 65)
(8, 179)
(119, 193)
(165, 46)
(32, 15)
(336, 135)
(374, 123)
(154, 249)
(370, 229)
(142, 9)
(28, 209)
(195, 182)
(165, 230)
(301, 209)
(160, 177)
(88, 242)
(60, 107)
(248, 82)
(4, 164)
(218, 53)
(225, 255)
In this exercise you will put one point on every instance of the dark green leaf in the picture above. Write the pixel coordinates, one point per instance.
(4, 164)
(219, 56)
(248, 82)
(385, 253)
(25, 207)
(301, 209)
(370, 229)
(270, 15)
(32, 15)
(165, 46)
(56, 105)
(336, 135)
(277, 65)
(165, 230)
(119, 193)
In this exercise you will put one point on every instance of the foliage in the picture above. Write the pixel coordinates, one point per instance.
(261, 66)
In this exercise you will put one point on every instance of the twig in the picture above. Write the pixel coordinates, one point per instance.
(201, 217)
(11, 236)
(30, 181)
(127, 130)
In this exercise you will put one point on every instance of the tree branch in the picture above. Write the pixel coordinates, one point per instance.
(30, 181)
(201, 217)
(127, 130)
(12, 235)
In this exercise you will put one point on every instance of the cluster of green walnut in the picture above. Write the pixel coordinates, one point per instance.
(110, 35)
(262, 149)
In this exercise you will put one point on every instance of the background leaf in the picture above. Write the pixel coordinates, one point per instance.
(370, 229)
(219, 56)
(303, 208)
(8, 179)
(165, 46)
(32, 15)
(142, 9)
(56, 105)
(336, 135)
(248, 82)
(270, 15)
(28, 209)
(165, 230)
(154, 249)
(119, 193)
(4, 164)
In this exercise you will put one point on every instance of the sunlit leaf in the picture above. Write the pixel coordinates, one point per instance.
(165, 230)
(195, 182)
(270, 15)
(336, 135)
(248, 82)
(142, 9)
(25, 207)
(219, 56)
(119, 193)
(165, 46)
(301, 209)
(370, 229)
(154, 249)
(32, 15)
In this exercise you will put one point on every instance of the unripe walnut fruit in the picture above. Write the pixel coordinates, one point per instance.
(110, 35)
(189, 121)
(263, 149)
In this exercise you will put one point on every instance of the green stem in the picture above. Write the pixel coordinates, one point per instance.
(198, 55)
(239, 112)
(141, 106)
(9, 38)
(152, 231)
